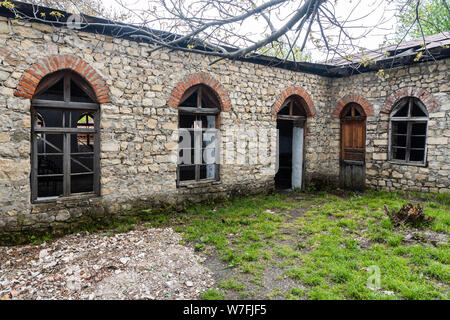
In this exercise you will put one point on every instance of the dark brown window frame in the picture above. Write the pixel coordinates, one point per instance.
(199, 110)
(409, 120)
(65, 106)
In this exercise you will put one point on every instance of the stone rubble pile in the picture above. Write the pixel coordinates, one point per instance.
(140, 264)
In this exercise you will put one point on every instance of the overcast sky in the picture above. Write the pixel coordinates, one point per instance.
(374, 13)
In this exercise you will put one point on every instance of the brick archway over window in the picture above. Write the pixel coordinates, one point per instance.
(425, 97)
(31, 77)
(200, 78)
(355, 98)
(311, 111)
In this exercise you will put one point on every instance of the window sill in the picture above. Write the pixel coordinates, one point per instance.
(192, 183)
(402, 163)
(79, 196)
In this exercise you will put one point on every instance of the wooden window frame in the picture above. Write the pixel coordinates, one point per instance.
(409, 120)
(198, 133)
(66, 106)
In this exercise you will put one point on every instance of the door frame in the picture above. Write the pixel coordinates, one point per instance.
(363, 118)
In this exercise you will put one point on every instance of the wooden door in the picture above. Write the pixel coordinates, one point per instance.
(353, 147)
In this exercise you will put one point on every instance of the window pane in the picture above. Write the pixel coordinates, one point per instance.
(191, 101)
(186, 121)
(208, 122)
(186, 139)
(348, 113)
(284, 111)
(209, 138)
(186, 156)
(50, 164)
(417, 111)
(208, 171)
(419, 129)
(298, 109)
(81, 163)
(49, 118)
(49, 143)
(416, 155)
(209, 98)
(55, 93)
(78, 95)
(208, 155)
(399, 127)
(399, 140)
(398, 153)
(403, 112)
(50, 186)
(82, 142)
(82, 183)
(187, 173)
(418, 142)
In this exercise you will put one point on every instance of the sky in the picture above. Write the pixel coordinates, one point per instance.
(378, 13)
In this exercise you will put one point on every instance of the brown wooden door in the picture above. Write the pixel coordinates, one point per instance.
(353, 147)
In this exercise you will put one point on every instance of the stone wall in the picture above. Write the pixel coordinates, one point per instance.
(138, 124)
(137, 90)
(426, 81)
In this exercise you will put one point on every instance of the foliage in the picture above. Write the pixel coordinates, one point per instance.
(433, 15)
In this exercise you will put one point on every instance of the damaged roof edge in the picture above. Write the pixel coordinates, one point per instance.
(122, 30)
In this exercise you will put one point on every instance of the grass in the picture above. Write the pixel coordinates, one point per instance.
(328, 251)
(336, 249)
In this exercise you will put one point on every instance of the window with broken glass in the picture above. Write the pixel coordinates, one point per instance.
(65, 138)
(408, 132)
(198, 139)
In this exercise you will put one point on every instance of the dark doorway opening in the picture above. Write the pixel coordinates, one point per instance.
(283, 178)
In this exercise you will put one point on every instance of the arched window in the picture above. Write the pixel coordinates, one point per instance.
(293, 106)
(197, 122)
(65, 137)
(408, 132)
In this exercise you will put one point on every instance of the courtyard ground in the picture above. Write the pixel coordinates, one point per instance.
(297, 245)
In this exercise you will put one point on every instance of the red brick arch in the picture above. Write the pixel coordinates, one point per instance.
(424, 96)
(355, 98)
(200, 78)
(311, 111)
(32, 76)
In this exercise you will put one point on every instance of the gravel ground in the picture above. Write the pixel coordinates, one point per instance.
(140, 264)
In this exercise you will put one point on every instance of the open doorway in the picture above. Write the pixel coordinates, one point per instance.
(290, 124)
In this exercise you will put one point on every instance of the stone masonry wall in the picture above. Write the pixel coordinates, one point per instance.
(138, 127)
(139, 122)
(430, 83)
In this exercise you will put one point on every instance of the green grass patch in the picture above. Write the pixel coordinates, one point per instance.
(330, 251)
